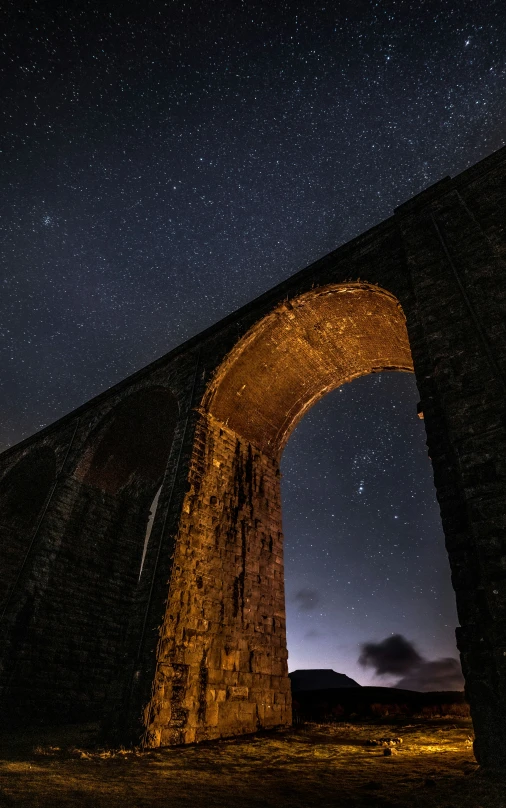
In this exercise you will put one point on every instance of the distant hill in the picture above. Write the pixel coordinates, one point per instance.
(319, 679)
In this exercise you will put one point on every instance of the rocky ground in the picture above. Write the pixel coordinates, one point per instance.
(340, 765)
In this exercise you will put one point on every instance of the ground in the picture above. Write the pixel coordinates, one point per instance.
(311, 765)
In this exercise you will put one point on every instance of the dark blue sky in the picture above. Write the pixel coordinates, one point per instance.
(164, 163)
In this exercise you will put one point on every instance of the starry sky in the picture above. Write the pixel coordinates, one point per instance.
(365, 554)
(164, 163)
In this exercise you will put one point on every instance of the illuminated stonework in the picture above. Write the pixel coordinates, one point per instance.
(222, 659)
(223, 641)
(302, 350)
(192, 646)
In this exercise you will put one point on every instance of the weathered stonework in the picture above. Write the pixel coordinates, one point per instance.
(193, 645)
(222, 659)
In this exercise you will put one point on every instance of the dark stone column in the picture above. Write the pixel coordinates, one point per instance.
(458, 342)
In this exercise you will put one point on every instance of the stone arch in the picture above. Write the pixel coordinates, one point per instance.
(24, 490)
(227, 588)
(302, 350)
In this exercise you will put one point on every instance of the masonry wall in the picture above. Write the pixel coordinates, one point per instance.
(66, 642)
(66, 613)
(222, 659)
(24, 492)
(458, 342)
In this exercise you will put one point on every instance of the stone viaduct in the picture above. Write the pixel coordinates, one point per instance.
(187, 641)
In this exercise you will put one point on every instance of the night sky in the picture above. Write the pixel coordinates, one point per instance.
(164, 163)
(365, 555)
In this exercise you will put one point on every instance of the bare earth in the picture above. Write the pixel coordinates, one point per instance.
(313, 765)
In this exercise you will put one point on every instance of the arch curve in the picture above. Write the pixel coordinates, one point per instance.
(302, 350)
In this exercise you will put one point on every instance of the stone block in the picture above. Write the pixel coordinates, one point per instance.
(237, 693)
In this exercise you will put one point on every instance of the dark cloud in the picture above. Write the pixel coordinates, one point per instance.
(435, 674)
(306, 599)
(397, 655)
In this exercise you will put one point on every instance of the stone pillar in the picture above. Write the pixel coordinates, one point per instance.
(222, 659)
(457, 332)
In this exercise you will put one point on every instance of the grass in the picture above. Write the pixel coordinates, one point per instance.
(312, 765)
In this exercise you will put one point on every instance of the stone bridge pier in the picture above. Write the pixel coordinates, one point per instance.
(170, 628)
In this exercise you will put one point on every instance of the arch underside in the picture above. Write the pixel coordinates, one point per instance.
(303, 350)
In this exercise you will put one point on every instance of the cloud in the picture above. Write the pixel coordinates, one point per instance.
(435, 674)
(393, 655)
(397, 655)
(306, 599)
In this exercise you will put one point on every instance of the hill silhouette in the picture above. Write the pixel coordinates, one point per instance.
(334, 704)
(319, 679)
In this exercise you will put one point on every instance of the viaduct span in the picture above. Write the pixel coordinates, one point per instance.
(188, 642)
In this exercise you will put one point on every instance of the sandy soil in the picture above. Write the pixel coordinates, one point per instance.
(308, 766)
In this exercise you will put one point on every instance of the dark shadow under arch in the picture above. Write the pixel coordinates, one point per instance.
(131, 449)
